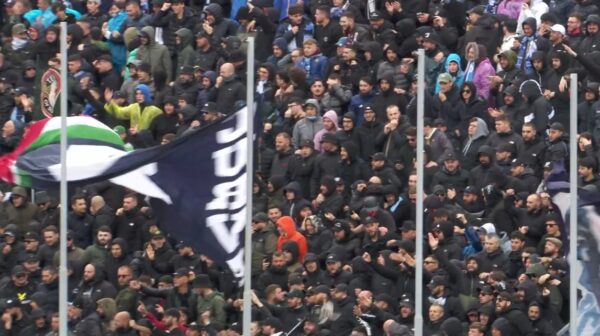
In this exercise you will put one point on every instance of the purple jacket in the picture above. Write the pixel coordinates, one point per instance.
(480, 78)
(510, 8)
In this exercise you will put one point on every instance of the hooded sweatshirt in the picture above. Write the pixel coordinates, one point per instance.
(139, 115)
(541, 111)
(459, 76)
(287, 226)
(157, 55)
(331, 115)
(185, 51)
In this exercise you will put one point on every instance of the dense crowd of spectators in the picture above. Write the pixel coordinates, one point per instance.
(335, 183)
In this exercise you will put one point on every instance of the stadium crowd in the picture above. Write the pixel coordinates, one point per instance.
(334, 193)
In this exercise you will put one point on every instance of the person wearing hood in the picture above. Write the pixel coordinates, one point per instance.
(347, 131)
(528, 44)
(184, 51)
(140, 114)
(591, 41)
(172, 17)
(216, 25)
(186, 87)
(387, 95)
(319, 237)
(308, 127)
(278, 51)
(531, 10)
(539, 108)
(157, 55)
(352, 167)
(164, 123)
(453, 67)
(290, 252)
(293, 199)
(508, 74)
(92, 288)
(287, 231)
(480, 174)
(392, 63)
(470, 106)
(47, 47)
(479, 69)
(484, 30)
(118, 255)
(205, 91)
(264, 242)
(328, 202)
(557, 96)
(330, 126)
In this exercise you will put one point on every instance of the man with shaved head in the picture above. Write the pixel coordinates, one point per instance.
(103, 214)
(121, 323)
(230, 90)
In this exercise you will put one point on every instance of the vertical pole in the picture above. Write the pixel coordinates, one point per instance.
(63, 273)
(420, 178)
(573, 206)
(247, 307)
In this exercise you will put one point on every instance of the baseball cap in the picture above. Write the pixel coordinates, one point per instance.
(260, 217)
(437, 280)
(296, 294)
(19, 28)
(307, 143)
(158, 234)
(445, 78)
(379, 156)
(558, 28)
(332, 258)
(209, 107)
(479, 10)
(557, 126)
(181, 272)
(471, 190)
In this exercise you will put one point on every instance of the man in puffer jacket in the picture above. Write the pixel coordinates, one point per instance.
(157, 55)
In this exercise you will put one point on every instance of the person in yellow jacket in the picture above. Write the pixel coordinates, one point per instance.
(140, 114)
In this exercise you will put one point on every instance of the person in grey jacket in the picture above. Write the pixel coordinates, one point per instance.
(307, 127)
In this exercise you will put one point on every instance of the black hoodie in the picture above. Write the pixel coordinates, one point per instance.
(539, 108)
(112, 264)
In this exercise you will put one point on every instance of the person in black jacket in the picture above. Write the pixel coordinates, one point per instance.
(451, 175)
(328, 203)
(92, 288)
(492, 257)
(229, 90)
(344, 305)
(440, 294)
(539, 108)
(518, 321)
(367, 132)
(129, 223)
(326, 163)
(80, 221)
(171, 17)
(158, 255)
(300, 167)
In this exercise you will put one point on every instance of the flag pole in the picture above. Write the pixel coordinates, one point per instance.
(420, 193)
(247, 306)
(573, 207)
(63, 273)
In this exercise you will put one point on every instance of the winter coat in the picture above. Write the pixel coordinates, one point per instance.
(171, 25)
(228, 94)
(306, 129)
(336, 98)
(223, 26)
(315, 66)
(82, 228)
(264, 243)
(129, 226)
(186, 56)
(89, 292)
(366, 135)
(306, 31)
(157, 55)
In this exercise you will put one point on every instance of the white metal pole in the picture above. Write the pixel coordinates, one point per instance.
(247, 306)
(573, 207)
(63, 273)
(420, 193)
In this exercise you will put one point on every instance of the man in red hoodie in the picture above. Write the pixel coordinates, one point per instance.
(287, 231)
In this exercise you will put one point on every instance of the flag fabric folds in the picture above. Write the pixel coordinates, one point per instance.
(196, 184)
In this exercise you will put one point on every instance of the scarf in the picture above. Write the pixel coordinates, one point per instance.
(526, 49)
(18, 43)
(470, 71)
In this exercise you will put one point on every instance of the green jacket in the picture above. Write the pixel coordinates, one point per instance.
(127, 300)
(94, 254)
(264, 244)
(215, 303)
(21, 216)
(155, 54)
(185, 52)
